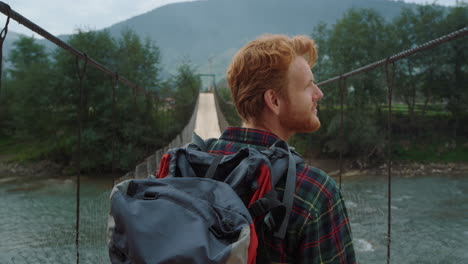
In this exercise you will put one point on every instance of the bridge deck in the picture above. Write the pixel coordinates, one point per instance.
(206, 125)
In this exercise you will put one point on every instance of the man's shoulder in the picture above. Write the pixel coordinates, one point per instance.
(315, 187)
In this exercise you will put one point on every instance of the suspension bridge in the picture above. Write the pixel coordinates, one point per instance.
(207, 119)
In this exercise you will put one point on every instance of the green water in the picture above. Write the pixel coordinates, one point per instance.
(429, 219)
(38, 220)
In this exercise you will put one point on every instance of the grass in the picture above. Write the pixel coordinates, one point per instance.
(441, 150)
(22, 151)
(431, 111)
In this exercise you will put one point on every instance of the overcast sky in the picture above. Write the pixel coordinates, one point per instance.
(65, 16)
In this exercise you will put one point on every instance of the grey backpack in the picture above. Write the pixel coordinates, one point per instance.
(203, 208)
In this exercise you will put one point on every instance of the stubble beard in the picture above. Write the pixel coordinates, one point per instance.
(299, 121)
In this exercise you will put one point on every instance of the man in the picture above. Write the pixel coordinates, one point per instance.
(273, 89)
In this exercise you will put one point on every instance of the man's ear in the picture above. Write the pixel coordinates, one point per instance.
(272, 101)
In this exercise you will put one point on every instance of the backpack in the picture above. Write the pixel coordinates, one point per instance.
(203, 208)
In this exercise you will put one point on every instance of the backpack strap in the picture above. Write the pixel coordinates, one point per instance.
(288, 197)
(271, 206)
(289, 190)
(203, 145)
(274, 213)
(199, 142)
(212, 169)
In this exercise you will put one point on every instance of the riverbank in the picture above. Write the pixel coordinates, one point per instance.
(11, 170)
(40, 168)
(405, 169)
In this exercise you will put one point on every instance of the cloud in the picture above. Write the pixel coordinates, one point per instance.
(65, 16)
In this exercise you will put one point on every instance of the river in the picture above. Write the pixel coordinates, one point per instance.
(429, 219)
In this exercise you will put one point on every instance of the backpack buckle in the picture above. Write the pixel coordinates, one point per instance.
(269, 221)
(151, 195)
(257, 209)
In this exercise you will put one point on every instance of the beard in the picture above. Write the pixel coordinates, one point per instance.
(299, 120)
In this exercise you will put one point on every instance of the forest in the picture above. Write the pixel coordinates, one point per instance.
(41, 94)
(429, 110)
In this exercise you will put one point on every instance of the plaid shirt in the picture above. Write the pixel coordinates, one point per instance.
(318, 229)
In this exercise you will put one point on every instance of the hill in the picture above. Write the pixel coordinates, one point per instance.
(215, 29)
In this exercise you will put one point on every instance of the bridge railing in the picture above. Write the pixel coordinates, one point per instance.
(222, 122)
(151, 164)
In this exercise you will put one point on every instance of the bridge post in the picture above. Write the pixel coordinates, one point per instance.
(151, 165)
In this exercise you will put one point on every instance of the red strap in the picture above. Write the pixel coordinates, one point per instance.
(164, 166)
(252, 251)
(264, 184)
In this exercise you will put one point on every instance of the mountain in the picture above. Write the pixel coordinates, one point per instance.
(215, 29)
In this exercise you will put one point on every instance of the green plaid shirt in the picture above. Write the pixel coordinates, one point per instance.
(318, 229)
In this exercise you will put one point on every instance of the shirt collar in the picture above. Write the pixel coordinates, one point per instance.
(249, 136)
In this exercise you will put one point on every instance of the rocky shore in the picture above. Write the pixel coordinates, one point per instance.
(40, 168)
(400, 168)
(331, 167)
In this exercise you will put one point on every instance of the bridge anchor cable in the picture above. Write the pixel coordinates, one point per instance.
(3, 34)
(390, 76)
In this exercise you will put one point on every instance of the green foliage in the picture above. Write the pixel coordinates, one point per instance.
(455, 63)
(357, 39)
(446, 149)
(26, 90)
(17, 150)
(187, 87)
(428, 83)
(360, 138)
(46, 103)
(425, 86)
(226, 105)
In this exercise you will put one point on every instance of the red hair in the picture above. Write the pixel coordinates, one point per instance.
(262, 65)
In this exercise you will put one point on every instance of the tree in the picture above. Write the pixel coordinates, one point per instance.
(30, 87)
(49, 100)
(427, 26)
(357, 39)
(403, 31)
(95, 112)
(454, 64)
(323, 67)
(129, 125)
(138, 61)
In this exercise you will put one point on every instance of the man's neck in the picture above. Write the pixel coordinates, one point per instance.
(272, 127)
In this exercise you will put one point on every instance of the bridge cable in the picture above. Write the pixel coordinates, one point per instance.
(390, 81)
(342, 84)
(114, 125)
(403, 54)
(80, 74)
(3, 34)
(5, 9)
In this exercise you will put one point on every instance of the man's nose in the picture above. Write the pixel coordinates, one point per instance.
(318, 94)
